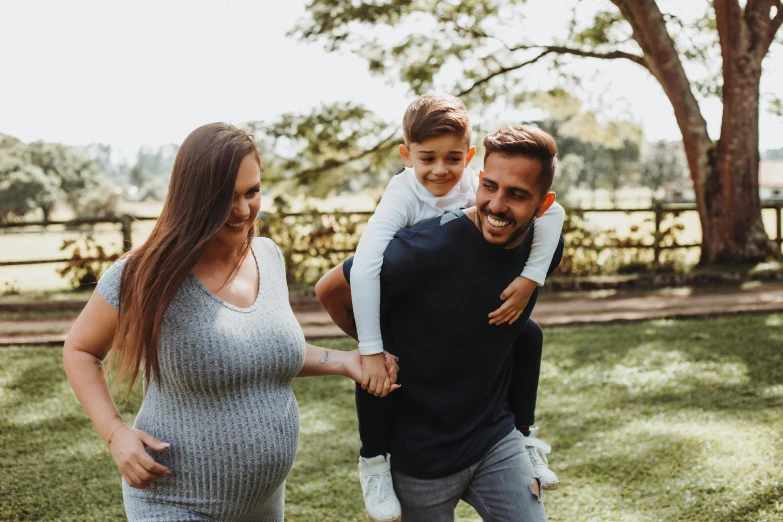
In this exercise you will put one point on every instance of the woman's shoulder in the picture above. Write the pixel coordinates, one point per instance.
(109, 283)
(266, 245)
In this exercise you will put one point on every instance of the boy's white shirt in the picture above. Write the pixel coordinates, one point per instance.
(406, 202)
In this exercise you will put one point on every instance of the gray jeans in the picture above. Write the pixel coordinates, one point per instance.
(500, 487)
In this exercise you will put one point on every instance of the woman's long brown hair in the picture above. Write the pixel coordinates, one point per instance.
(197, 205)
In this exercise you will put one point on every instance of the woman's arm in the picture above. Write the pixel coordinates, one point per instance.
(85, 348)
(325, 361)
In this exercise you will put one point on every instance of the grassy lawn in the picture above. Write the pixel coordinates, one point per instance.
(657, 421)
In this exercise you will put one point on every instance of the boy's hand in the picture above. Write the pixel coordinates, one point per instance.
(516, 296)
(374, 373)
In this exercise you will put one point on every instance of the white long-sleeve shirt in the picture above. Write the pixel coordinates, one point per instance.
(406, 202)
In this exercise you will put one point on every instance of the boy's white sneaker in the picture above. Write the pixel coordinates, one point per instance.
(377, 488)
(537, 450)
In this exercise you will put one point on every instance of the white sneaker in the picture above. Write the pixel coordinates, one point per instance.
(537, 450)
(378, 490)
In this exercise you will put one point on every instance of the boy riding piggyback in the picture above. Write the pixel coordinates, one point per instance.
(436, 180)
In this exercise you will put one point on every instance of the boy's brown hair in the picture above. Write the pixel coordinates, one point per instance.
(435, 114)
(528, 141)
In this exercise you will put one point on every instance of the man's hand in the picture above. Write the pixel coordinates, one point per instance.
(375, 376)
(516, 297)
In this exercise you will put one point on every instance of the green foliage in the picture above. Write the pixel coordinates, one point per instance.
(664, 163)
(24, 188)
(776, 105)
(337, 147)
(312, 242)
(607, 28)
(595, 154)
(478, 50)
(637, 415)
(413, 40)
(41, 174)
(589, 251)
(88, 262)
(773, 154)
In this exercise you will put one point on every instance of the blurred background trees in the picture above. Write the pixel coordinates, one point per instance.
(477, 50)
(39, 175)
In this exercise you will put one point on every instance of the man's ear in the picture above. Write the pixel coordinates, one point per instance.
(406, 156)
(546, 202)
(469, 155)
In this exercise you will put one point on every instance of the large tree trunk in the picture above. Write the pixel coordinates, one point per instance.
(725, 175)
(736, 212)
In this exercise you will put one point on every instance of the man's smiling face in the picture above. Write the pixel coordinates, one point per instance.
(509, 198)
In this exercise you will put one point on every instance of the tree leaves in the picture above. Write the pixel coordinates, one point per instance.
(40, 174)
(335, 147)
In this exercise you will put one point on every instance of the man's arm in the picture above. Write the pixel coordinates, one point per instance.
(334, 294)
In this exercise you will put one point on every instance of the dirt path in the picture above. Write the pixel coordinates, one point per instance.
(586, 308)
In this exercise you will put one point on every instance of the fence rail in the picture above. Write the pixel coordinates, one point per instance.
(659, 211)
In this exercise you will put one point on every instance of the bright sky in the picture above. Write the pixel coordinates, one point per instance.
(149, 72)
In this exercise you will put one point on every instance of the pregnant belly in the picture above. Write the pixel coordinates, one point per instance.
(236, 451)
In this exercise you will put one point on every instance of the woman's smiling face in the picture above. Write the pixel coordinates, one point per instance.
(245, 204)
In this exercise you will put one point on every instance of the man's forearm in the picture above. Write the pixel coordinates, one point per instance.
(342, 315)
(334, 293)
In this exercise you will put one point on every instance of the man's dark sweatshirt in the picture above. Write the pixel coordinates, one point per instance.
(440, 280)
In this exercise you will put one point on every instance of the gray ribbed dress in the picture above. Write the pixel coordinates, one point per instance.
(225, 404)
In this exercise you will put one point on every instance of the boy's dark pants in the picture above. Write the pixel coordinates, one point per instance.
(375, 414)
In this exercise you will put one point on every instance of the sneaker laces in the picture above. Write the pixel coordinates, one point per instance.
(537, 449)
(382, 484)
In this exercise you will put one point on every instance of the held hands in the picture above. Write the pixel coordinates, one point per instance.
(516, 296)
(379, 373)
(139, 470)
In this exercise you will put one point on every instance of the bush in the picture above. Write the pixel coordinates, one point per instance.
(88, 262)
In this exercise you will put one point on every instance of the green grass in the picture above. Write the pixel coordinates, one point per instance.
(664, 420)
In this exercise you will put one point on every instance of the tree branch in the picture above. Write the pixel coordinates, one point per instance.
(777, 21)
(307, 174)
(501, 71)
(554, 49)
(612, 55)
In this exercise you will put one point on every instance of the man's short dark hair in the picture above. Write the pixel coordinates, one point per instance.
(528, 141)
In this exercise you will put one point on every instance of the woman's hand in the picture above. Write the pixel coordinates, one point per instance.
(353, 369)
(127, 447)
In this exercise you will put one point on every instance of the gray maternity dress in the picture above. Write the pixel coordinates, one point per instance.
(225, 403)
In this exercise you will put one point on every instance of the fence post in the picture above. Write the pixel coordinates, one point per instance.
(657, 235)
(126, 222)
(779, 224)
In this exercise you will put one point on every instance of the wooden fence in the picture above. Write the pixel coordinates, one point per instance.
(657, 245)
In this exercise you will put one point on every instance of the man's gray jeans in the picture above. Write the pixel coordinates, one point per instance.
(500, 487)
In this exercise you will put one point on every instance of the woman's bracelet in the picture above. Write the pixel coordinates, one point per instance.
(108, 440)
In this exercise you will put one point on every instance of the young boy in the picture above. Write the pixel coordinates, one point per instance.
(436, 180)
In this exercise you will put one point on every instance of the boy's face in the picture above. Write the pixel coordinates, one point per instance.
(438, 162)
(508, 198)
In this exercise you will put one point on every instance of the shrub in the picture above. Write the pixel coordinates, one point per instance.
(88, 262)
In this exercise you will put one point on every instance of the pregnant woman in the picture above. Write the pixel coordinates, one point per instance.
(201, 312)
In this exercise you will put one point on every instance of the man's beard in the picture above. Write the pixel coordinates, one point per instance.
(519, 232)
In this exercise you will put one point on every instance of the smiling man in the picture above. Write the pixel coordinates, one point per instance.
(452, 430)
